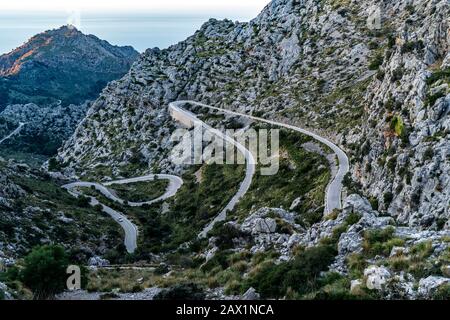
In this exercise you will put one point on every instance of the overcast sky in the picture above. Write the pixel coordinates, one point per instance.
(245, 7)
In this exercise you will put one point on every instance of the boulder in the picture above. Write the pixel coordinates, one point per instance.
(295, 204)
(350, 242)
(98, 262)
(267, 225)
(251, 294)
(376, 277)
(428, 286)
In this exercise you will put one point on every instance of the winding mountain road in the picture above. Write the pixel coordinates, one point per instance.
(131, 231)
(178, 113)
(333, 197)
(16, 131)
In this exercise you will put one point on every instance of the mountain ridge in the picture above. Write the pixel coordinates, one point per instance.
(61, 64)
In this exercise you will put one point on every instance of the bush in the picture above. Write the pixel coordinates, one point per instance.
(225, 234)
(376, 62)
(380, 75)
(353, 218)
(439, 75)
(387, 198)
(380, 242)
(397, 74)
(299, 275)
(428, 154)
(45, 271)
(411, 46)
(220, 259)
(83, 202)
(189, 291)
(442, 293)
(374, 203)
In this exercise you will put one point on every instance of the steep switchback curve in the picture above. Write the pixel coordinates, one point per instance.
(189, 119)
(333, 198)
(131, 231)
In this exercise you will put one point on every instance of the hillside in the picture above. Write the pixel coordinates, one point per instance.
(62, 64)
(380, 92)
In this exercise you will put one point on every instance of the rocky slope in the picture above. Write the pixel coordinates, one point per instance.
(382, 93)
(61, 64)
(314, 63)
(275, 65)
(45, 129)
(404, 159)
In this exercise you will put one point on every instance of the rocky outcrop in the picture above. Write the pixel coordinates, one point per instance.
(45, 128)
(405, 146)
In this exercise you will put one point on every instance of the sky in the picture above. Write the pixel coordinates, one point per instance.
(244, 7)
(140, 23)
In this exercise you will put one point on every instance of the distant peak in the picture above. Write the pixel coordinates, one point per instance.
(69, 27)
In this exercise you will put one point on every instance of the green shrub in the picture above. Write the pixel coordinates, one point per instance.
(398, 126)
(374, 203)
(44, 271)
(376, 62)
(353, 218)
(189, 291)
(442, 293)
(299, 275)
(334, 287)
(387, 198)
(397, 74)
(380, 241)
(225, 234)
(380, 75)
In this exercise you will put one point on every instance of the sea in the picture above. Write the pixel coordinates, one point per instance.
(140, 30)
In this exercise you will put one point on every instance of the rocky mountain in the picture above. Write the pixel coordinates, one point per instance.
(61, 65)
(383, 94)
(371, 75)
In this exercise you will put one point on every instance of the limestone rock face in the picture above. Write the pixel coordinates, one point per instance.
(45, 127)
(265, 226)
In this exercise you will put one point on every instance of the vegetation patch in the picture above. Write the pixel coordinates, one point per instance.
(141, 191)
